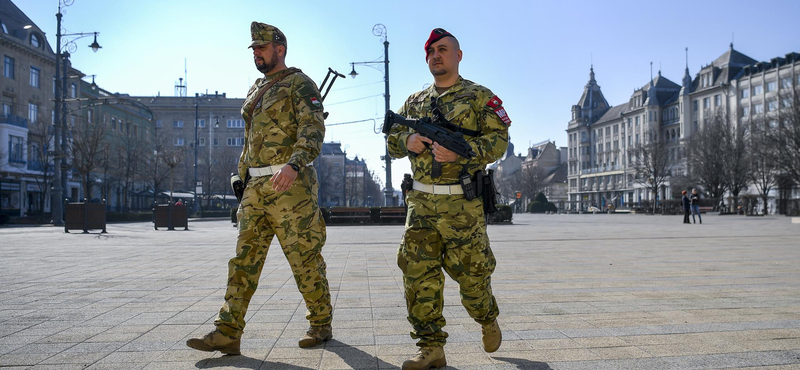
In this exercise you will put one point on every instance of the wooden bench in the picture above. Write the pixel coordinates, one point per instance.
(350, 215)
(393, 215)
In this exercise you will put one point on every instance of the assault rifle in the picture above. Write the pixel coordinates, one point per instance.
(453, 141)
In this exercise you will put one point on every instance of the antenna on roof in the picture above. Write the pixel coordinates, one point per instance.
(687, 57)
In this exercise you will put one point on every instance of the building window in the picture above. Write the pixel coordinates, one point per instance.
(178, 141)
(35, 40)
(786, 83)
(114, 123)
(177, 124)
(235, 141)
(758, 108)
(757, 90)
(706, 103)
(15, 149)
(90, 116)
(695, 105)
(786, 102)
(33, 113)
(35, 72)
(201, 123)
(772, 105)
(8, 67)
(216, 141)
(772, 86)
(73, 91)
(717, 100)
(158, 123)
(235, 123)
(745, 93)
(202, 141)
(745, 111)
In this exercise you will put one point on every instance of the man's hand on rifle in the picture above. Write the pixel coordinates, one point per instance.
(442, 154)
(416, 143)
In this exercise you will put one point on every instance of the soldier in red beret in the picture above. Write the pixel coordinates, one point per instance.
(445, 230)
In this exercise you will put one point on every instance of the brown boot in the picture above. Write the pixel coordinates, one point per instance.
(492, 336)
(216, 341)
(316, 335)
(426, 358)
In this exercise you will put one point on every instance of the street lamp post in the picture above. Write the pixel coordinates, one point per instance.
(59, 190)
(196, 206)
(380, 31)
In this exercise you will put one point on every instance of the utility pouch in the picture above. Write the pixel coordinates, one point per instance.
(468, 186)
(489, 192)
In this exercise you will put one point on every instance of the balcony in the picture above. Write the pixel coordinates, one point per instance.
(14, 120)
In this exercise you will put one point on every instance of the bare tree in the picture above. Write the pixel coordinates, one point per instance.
(87, 145)
(218, 171)
(763, 167)
(529, 181)
(650, 161)
(131, 147)
(706, 157)
(737, 161)
(156, 174)
(785, 136)
(172, 156)
(41, 149)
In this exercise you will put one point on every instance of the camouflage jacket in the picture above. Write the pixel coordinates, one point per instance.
(466, 105)
(287, 127)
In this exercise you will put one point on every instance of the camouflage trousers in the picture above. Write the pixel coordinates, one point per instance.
(445, 232)
(294, 217)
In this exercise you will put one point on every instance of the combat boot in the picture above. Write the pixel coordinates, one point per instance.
(216, 341)
(316, 335)
(426, 358)
(492, 336)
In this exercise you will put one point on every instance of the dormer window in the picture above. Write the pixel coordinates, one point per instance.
(5, 29)
(34, 40)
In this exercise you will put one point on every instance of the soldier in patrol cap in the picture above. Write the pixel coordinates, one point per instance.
(444, 230)
(284, 130)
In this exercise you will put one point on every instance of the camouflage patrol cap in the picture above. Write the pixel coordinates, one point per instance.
(263, 34)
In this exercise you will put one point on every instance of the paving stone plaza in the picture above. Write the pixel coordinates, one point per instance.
(575, 292)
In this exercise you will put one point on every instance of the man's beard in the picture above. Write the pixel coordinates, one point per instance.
(265, 66)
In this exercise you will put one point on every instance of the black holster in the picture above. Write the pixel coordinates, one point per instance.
(238, 185)
(407, 184)
(484, 181)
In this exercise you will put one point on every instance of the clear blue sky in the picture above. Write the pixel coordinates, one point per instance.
(535, 55)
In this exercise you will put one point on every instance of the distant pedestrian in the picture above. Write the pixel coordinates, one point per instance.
(695, 199)
(686, 207)
(179, 203)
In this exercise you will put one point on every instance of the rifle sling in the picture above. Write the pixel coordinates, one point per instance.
(266, 87)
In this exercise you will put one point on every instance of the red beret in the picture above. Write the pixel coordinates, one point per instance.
(436, 35)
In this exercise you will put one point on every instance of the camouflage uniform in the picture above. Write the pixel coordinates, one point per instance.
(448, 231)
(286, 127)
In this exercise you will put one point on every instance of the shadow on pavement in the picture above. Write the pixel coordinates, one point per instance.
(352, 356)
(524, 364)
(244, 362)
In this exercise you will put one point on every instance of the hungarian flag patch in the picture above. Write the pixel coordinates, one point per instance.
(497, 106)
(315, 101)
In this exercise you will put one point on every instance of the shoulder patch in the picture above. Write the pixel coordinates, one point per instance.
(497, 106)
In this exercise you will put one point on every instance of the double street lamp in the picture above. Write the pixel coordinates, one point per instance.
(380, 31)
(59, 190)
